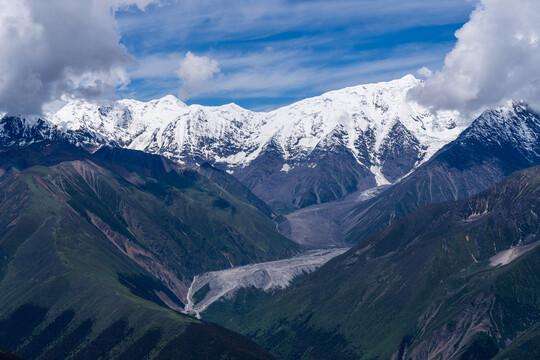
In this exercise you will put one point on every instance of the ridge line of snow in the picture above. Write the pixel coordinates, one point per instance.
(234, 136)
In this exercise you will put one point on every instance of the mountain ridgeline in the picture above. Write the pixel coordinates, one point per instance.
(314, 151)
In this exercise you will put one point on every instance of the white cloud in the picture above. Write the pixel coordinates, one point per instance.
(496, 58)
(194, 71)
(425, 72)
(284, 50)
(56, 47)
(210, 20)
(278, 77)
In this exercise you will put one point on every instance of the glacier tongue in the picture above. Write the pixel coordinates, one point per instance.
(266, 276)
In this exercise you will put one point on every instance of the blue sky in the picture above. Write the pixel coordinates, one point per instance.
(273, 53)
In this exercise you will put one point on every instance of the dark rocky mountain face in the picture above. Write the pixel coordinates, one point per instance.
(19, 132)
(494, 146)
(329, 173)
(97, 252)
(453, 280)
(400, 152)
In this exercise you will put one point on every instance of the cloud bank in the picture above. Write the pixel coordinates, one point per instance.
(496, 58)
(194, 71)
(59, 47)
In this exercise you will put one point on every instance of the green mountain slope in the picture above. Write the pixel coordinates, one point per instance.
(96, 249)
(454, 280)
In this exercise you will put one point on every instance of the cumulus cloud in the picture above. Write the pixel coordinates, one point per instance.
(496, 58)
(194, 71)
(59, 47)
(425, 72)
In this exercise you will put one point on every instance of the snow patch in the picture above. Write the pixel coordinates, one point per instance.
(370, 193)
(286, 168)
(505, 257)
(379, 177)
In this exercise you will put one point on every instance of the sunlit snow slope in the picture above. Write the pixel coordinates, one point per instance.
(314, 151)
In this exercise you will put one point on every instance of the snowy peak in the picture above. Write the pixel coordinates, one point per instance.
(169, 100)
(166, 126)
(514, 124)
(234, 136)
(362, 136)
(372, 108)
(17, 131)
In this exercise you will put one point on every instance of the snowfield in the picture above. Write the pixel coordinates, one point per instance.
(233, 136)
(505, 257)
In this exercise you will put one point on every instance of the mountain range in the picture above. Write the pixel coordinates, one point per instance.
(98, 251)
(119, 219)
(497, 143)
(314, 151)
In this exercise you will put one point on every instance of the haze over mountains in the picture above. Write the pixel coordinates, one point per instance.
(149, 210)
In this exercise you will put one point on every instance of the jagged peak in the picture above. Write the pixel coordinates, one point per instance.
(403, 84)
(169, 99)
(509, 108)
(409, 78)
(515, 105)
(233, 106)
(230, 107)
(406, 82)
(513, 122)
(236, 136)
(26, 120)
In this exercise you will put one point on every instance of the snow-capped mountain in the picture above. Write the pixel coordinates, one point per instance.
(514, 125)
(498, 143)
(316, 150)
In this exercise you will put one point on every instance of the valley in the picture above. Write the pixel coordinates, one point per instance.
(266, 276)
(436, 283)
(269, 180)
(321, 226)
(372, 234)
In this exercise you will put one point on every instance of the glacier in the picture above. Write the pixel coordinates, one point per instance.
(266, 276)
